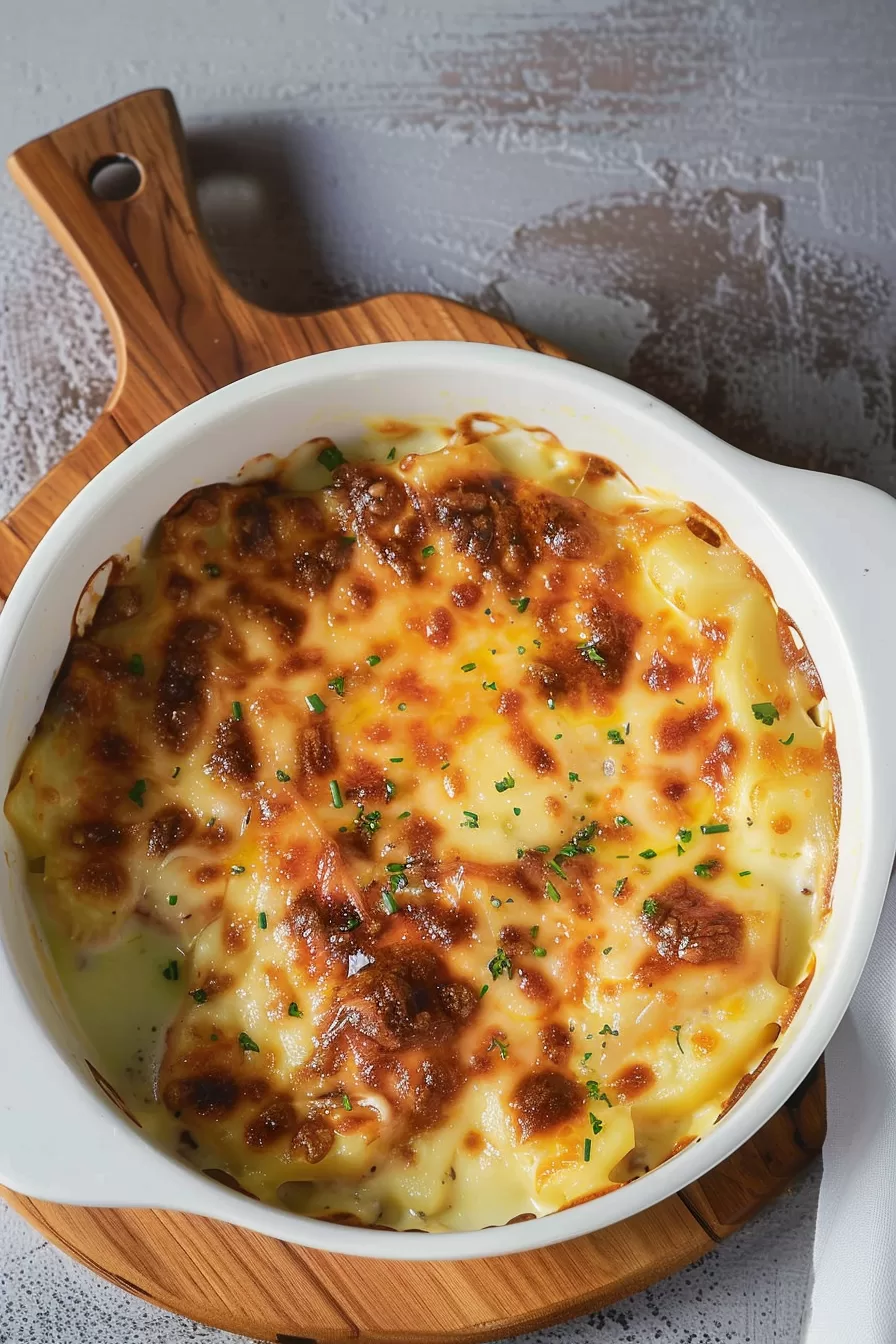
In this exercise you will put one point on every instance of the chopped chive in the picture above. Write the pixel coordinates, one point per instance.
(680, 849)
(498, 1044)
(542, 849)
(213, 571)
(622, 821)
(172, 900)
(135, 665)
(616, 737)
(283, 776)
(521, 649)
(211, 821)
(591, 653)
(428, 551)
(556, 866)
(786, 741)
(502, 785)
(551, 892)
(765, 712)
(489, 686)
(236, 710)
(472, 821)
(606, 951)
(352, 923)
(390, 905)
(468, 667)
(295, 1011)
(368, 821)
(677, 1030)
(315, 704)
(402, 816)
(396, 760)
(136, 792)
(483, 991)
(335, 793)
(330, 457)
(587, 1150)
(175, 772)
(517, 811)
(346, 1102)
(573, 777)
(607, 1030)
(446, 765)
(521, 603)
(650, 907)
(198, 995)
(237, 868)
(499, 964)
(171, 972)
(373, 659)
(390, 456)
(717, 828)
(596, 1125)
(620, 887)
(262, 920)
(746, 872)
(703, 869)
(337, 684)
(647, 854)
(539, 952)
(685, 837)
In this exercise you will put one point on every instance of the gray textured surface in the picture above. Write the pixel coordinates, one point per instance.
(699, 196)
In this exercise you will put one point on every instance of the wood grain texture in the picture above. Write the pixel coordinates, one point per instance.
(180, 331)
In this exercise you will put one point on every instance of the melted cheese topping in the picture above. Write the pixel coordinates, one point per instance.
(457, 820)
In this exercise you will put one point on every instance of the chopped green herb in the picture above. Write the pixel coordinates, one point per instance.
(315, 704)
(283, 776)
(472, 821)
(765, 713)
(402, 816)
(262, 920)
(352, 923)
(622, 821)
(746, 872)
(337, 684)
(335, 793)
(198, 995)
(346, 1102)
(428, 551)
(552, 704)
(539, 952)
(236, 710)
(446, 765)
(211, 821)
(499, 964)
(703, 869)
(616, 737)
(390, 456)
(171, 972)
(495, 901)
(348, 540)
(596, 1125)
(390, 905)
(175, 772)
(330, 457)
(685, 837)
(368, 821)
(586, 1152)
(468, 667)
(558, 868)
(786, 741)
(489, 686)
(373, 659)
(607, 951)
(402, 707)
(542, 849)
(647, 854)
(517, 811)
(557, 737)
(677, 1030)
(172, 900)
(521, 649)
(295, 1011)
(521, 603)
(551, 892)
(717, 828)
(537, 643)
(593, 1089)
(650, 907)
(498, 1044)
(620, 887)
(573, 777)
(591, 653)
(607, 1030)
(502, 785)
(390, 790)
(396, 760)
(135, 665)
(136, 792)
(483, 991)
(213, 571)
(237, 868)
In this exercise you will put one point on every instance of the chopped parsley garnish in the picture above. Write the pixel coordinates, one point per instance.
(606, 951)
(136, 792)
(499, 964)
(472, 821)
(685, 837)
(483, 991)
(211, 821)
(262, 920)
(596, 1125)
(542, 849)
(786, 741)
(346, 1102)
(539, 952)
(390, 456)
(607, 1030)
(198, 995)
(373, 659)
(614, 736)
(521, 603)
(172, 900)
(517, 811)
(489, 686)
(499, 1045)
(171, 972)
(236, 710)
(647, 854)
(573, 777)
(283, 776)
(765, 713)
(586, 1152)
(502, 785)
(717, 828)
(428, 551)
(337, 684)
(620, 887)
(677, 1030)
(446, 765)
(622, 821)
(213, 571)
(650, 907)
(591, 653)
(135, 665)
(368, 821)
(521, 649)
(335, 793)
(295, 1011)
(237, 868)
(396, 760)
(315, 704)
(402, 816)
(468, 667)
(746, 872)
(703, 869)
(330, 457)
(551, 892)
(593, 1089)
(390, 905)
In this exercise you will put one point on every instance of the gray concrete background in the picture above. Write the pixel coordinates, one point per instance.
(697, 196)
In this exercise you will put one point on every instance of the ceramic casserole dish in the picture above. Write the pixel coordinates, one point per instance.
(826, 545)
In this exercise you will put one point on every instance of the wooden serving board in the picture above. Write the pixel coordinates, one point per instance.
(180, 331)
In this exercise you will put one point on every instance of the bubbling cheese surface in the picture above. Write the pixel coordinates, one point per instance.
(434, 837)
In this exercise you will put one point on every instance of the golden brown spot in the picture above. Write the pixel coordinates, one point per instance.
(466, 594)
(442, 923)
(704, 531)
(180, 694)
(634, 1080)
(118, 603)
(209, 1095)
(313, 1140)
(235, 936)
(113, 748)
(207, 873)
(363, 594)
(690, 926)
(676, 789)
(103, 880)
(677, 732)
(316, 747)
(278, 1121)
(170, 827)
(438, 627)
(781, 825)
(234, 756)
(718, 770)
(556, 1043)
(473, 1141)
(534, 985)
(543, 1100)
(662, 674)
(704, 1041)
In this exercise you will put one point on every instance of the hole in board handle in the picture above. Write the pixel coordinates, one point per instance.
(116, 177)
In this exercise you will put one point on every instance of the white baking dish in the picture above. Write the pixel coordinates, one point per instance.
(826, 545)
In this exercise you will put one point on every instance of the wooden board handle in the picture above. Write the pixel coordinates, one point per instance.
(144, 257)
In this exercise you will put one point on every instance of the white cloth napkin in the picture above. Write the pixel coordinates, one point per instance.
(854, 1289)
